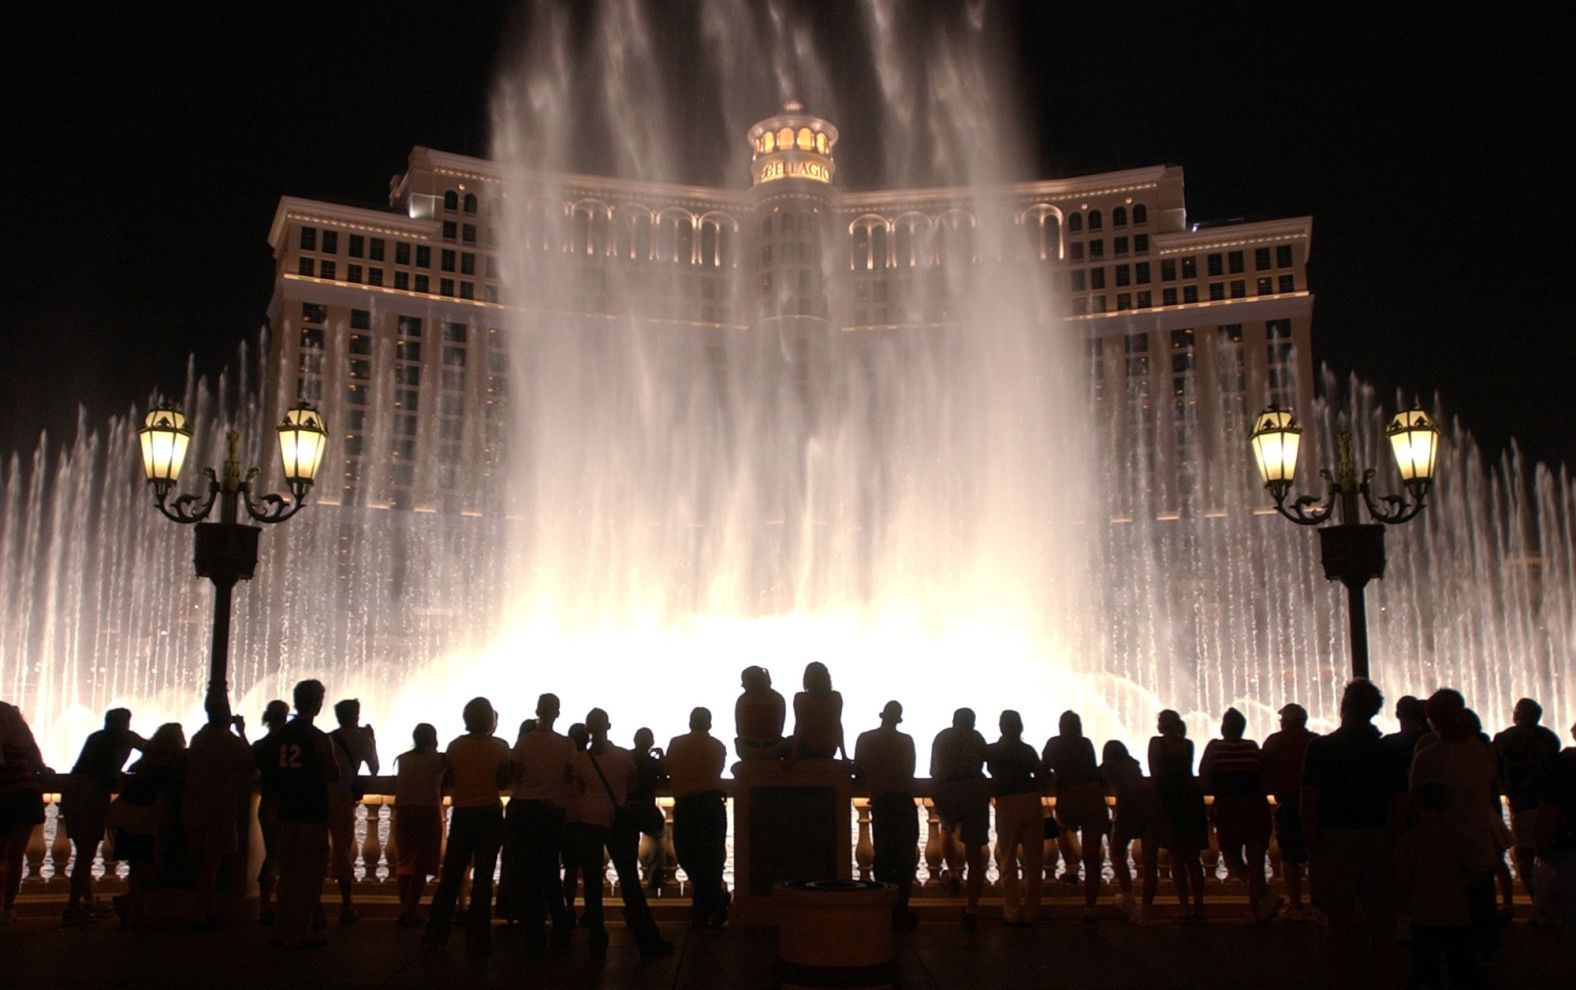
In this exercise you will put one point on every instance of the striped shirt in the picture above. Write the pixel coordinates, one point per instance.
(1232, 767)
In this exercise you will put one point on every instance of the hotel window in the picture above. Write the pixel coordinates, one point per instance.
(467, 290)
(1137, 367)
(405, 426)
(1288, 283)
(1238, 288)
(1182, 362)
(1140, 243)
(409, 326)
(1145, 300)
(446, 286)
(374, 276)
(407, 350)
(1279, 352)
(375, 252)
(423, 256)
(1217, 291)
(451, 429)
(360, 343)
(451, 230)
(1181, 339)
(360, 369)
(402, 280)
(1283, 256)
(1124, 300)
(407, 399)
(401, 253)
(1234, 262)
(1266, 285)
(314, 312)
(454, 381)
(470, 202)
(454, 332)
(423, 284)
(1124, 275)
(330, 242)
(1075, 251)
(310, 389)
(1097, 248)
(352, 447)
(467, 264)
(1074, 223)
(1119, 217)
(1140, 214)
(1168, 270)
(306, 266)
(490, 293)
(454, 357)
(326, 270)
(1136, 343)
(356, 395)
(492, 266)
(356, 246)
(356, 421)
(1189, 267)
(1120, 245)
(1168, 297)
(352, 273)
(312, 339)
(311, 363)
(309, 238)
(1097, 278)
(451, 200)
(1094, 220)
(1097, 304)
(451, 405)
(1277, 329)
(1080, 306)
(468, 233)
(1141, 273)
(1077, 278)
(446, 260)
(1261, 259)
(1190, 293)
(1215, 268)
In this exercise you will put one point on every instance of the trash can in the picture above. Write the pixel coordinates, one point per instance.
(835, 933)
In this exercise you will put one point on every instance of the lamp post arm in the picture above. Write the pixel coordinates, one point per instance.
(1392, 510)
(187, 509)
(1307, 510)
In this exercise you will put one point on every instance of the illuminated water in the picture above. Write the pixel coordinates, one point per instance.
(936, 523)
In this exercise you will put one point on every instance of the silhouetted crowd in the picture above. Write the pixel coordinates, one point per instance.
(1401, 832)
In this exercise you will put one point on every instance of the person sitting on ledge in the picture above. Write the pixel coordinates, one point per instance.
(962, 798)
(758, 717)
(817, 717)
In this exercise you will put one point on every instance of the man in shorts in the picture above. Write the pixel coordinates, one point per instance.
(86, 803)
(957, 762)
(1527, 754)
(1283, 755)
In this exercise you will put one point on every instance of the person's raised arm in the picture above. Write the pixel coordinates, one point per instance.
(371, 757)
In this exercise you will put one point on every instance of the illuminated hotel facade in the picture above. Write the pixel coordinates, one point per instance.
(393, 320)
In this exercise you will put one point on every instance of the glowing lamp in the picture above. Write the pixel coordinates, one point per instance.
(1276, 439)
(164, 439)
(302, 440)
(1415, 440)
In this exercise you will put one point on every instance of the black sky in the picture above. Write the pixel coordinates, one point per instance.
(146, 150)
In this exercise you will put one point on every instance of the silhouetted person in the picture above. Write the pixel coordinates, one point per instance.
(85, 804)
(297, 763)
(605, 774)
(1232, 769)
(478, 770)
(354, 745)
(1410, 714)
(543, 770)
(1436, 863)
(817, 717)
(700, 817)
(1457, 757)
(1527, 753)
(1080, 799)
(216, 808)
(1187, 824)
(575, 828)
(758, 717)
(1556, 838)
(1284, 752)
(884, 761)
(962, 800)
(1017, 779)
(1138, 816)
(1353, 789)
(419, 773)
(21, 802)
(651, 772)
(148, 818)
(507, 895)
(275, 715)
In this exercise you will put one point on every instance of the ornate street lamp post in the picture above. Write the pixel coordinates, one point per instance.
(227, 550)
(1353, 552)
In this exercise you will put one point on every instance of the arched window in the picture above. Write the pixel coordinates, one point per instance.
(1140, 214)
(786, 225)
(766, 227)
(1074, 223)
(878, 245)
(769, 142)
(1119, 217)
(785, 138)
(806, 139)
(451, 200)
(820, 143)
(1094, 220)
(859, 257)
(470, 202)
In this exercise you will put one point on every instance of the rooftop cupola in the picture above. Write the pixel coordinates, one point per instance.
(792, 145)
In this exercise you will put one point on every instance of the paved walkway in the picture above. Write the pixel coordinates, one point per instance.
(38, 952)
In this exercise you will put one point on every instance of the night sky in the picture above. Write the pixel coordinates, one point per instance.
(146, 151)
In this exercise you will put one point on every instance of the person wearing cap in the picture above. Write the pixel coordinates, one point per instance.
(700, 817)
(884, 764)
(962, 797)
(1284, 752)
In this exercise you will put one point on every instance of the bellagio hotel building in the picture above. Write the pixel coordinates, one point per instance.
(394, 319)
